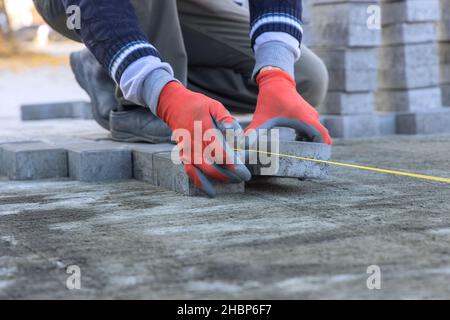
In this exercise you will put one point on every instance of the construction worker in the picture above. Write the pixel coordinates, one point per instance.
(185, 60)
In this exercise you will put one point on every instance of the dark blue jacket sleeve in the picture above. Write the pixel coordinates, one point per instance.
(110, 30)
(276, 16)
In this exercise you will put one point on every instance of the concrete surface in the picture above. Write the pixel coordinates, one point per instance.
(284, 238)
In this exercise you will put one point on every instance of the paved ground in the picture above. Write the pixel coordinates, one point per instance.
(283, 239)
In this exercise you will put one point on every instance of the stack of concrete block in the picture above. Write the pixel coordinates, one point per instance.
(409, 78)
(348, 45)
(444, 46)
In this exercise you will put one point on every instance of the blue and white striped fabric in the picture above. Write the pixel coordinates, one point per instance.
(276, 16)
(110, 29)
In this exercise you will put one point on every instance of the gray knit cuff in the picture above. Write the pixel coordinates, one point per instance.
(153, 85)
(274, 54)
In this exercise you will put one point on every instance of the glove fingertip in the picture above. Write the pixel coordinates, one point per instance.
(242, 172)
(200, 181)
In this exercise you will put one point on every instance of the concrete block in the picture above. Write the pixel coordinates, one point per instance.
(348, 58)
(96, 162)
(408, 100)
(401, 33)
(445, 74)
(430, 122)
(344, 24)
(32, 161)
(143, 160)
(445, 91)
(444, 30)
(348, 103)
(352, 126)
(387, 123)
(289, 160)
(445, 9)
(409, 77)
(409, 66)
(172, 176)
(72, 110)
(409, 55)
(82, 110)
(410, 11)
(350, 70)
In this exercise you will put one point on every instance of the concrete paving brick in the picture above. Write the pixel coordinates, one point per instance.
(401, 33)
(410, 77)
(409, 55)
(32, 161)
(172, 176)
(348, 58)
(143, 160)
(444, 30)
(430, 122)
(72, 110)
(351, 70)
(96, 162)
(387, 123)
(410, 11)
(290, 167)
(408, 100)
(347, 103)
(343, 24)
(445, 91)
(361, 80)
(409, 66)
(352, 126)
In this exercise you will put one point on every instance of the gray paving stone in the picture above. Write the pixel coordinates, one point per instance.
(286, 164)
(32, 161)
(445, 91)
(431, 122)
(444, 30)
(347, 103)
(410, 11)
(46, 111)
(352, 126)
(143, 160)
(409, 66)
(387, 123)
(409, 100)
(409, 78)
(344, 24)
(350, 70)
(96, 162)
(401, 33)
(409, 55)
(172, 176)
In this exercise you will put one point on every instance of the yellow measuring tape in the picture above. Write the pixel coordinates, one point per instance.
(394, 172)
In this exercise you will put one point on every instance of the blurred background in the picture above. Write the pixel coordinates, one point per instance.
(34, 63)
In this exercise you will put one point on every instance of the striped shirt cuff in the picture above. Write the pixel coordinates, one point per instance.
(276, 22)
(124, 53)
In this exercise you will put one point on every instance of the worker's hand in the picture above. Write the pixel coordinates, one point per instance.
(280, 105)
(180, 109)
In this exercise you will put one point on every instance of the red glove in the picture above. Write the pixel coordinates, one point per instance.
(280, 105)
(179, 108)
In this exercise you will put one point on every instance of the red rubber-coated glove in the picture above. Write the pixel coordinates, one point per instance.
(280, 105)
(181, 108)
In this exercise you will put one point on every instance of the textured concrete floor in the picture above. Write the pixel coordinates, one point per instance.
(283, 239)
